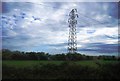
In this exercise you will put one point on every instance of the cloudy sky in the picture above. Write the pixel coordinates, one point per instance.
(43, 26)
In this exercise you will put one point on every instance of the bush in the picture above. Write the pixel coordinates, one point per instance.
(66, 70)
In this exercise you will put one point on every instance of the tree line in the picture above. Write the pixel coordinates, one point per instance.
(18, 55)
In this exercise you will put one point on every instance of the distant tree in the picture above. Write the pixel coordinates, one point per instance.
(32, 55)
(18, 55)
(6, 54)
(58, 57)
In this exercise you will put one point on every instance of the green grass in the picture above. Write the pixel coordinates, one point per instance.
(28, 63)
(93, 63)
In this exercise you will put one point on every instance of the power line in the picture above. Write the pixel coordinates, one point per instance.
(101, 23)
(98, 22)
(86, 19)
(44, 5)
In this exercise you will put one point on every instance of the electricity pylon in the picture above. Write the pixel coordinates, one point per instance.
(72, 40)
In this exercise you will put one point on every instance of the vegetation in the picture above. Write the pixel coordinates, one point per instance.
(65, 70)
(40, 65)
(17, 55)
(30, 63)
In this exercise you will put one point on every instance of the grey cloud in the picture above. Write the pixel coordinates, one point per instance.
(100, 48)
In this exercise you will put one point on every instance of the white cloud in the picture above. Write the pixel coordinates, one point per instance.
(61, 1)
(53, 27)
(98, 36)
(106, 31)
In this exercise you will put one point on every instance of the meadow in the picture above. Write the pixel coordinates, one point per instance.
(28, 63)
(39, 65)
(68, 70)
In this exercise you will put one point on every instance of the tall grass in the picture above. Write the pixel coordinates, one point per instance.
(65, 70)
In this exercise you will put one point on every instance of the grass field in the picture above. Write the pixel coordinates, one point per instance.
(57, 70)
(28, 63)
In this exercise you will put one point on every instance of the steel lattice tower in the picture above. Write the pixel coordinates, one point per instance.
(72, 41)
